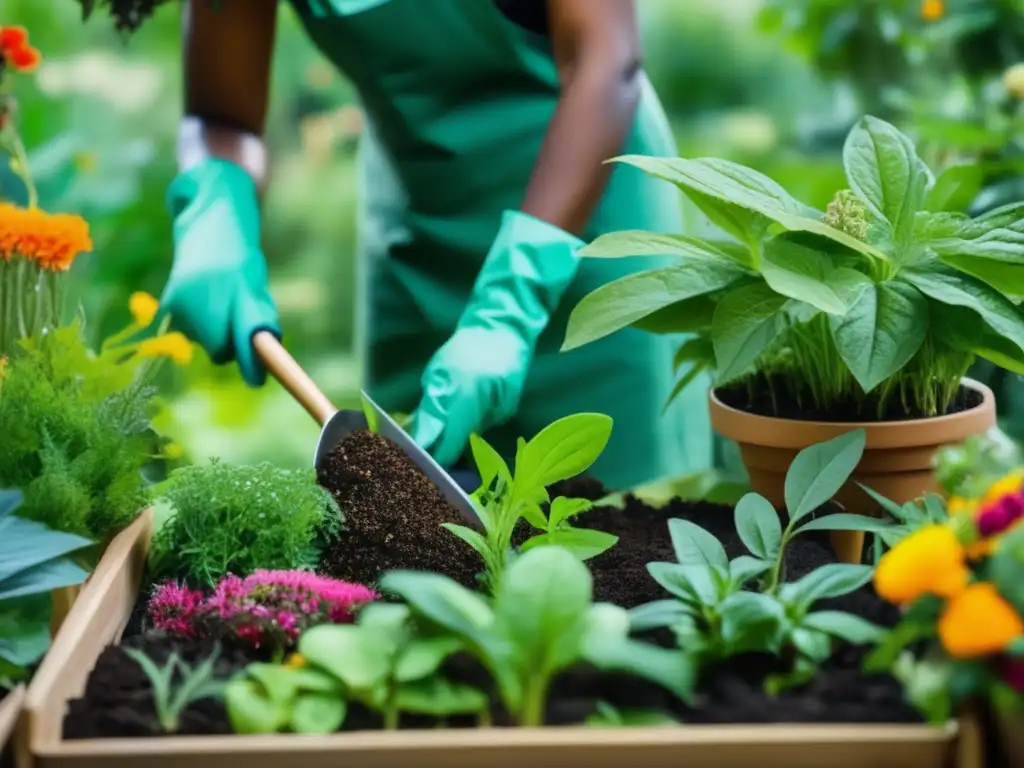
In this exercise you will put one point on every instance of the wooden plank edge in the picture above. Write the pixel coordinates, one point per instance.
(509, 738)
(127, 550)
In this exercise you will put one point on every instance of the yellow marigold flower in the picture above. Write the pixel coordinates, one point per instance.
(978, 622)
(173, 345)
(295, 660)
(933, 10)
(929, 561)
(143, 307)
(52, 240)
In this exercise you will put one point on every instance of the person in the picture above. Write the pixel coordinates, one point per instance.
(482, 174)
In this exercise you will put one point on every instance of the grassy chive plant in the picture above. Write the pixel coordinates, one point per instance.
(875, 307)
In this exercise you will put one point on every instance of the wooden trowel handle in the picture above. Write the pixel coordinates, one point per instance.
(282, 366)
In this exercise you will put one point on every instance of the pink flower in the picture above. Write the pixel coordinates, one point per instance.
(271, 607)
(174, 608)
(1000, 515)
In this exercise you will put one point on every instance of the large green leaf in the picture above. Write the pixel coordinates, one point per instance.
(758, 525)
(442, 601)
(695, 546)
(947, 286)
(964, 330)
(687, 316)
(799, 272)
(44, 577)
(27, 543)
(737, 185)
(358, 656)
(819, 471)
(638, 242)
(746, 323)
(884, 170)
(563, 449)
(542, 606)
(955, 188)
(990, 247)
(881, 331)
(24, 629)
(622, 302)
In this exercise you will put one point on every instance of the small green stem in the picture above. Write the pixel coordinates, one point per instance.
(391, 717)
(21, 160)
(534, 700)
(776, 574)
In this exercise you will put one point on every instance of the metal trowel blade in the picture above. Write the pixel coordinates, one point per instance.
(343, 423)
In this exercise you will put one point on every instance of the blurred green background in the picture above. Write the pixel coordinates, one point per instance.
(772, 83)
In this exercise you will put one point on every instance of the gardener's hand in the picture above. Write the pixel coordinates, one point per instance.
(217, 292)
(472, 383)
(476, 379)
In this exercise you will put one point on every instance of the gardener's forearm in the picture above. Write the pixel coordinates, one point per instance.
(201, 139)
(597, 51)
(227, 55)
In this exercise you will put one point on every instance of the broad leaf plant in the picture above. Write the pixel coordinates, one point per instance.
(881, 302)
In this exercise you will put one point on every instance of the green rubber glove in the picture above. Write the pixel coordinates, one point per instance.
(217, 293)
(476, 379)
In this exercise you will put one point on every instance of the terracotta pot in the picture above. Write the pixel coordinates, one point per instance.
(896, 463)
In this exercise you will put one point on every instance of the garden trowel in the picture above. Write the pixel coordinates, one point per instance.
(337, 425)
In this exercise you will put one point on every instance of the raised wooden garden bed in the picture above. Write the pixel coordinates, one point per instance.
(104, 608)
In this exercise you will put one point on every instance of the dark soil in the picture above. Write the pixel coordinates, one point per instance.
(393, 515)
(775, 398)
(118, 698)
(118, 702)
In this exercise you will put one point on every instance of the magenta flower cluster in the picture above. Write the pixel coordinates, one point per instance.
(1001, 514)
(266, 609)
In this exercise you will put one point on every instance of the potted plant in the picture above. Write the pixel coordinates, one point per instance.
(865, 316)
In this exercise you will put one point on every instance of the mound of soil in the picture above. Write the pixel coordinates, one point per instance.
(118, 699)
(393, 515)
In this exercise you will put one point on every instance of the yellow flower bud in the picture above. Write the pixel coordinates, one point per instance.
(143, 307)
(173, 345)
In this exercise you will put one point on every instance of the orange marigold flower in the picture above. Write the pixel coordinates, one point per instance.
(13, 37)
(143, 307)
(929, 561)
(174, 345)
(933, 10)
(15, 50)
(978, 622)
(52, 240)
(3, 366)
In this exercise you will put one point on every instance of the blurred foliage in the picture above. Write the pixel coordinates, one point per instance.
(101, 116)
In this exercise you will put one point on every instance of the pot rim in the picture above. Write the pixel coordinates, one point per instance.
(776, 432)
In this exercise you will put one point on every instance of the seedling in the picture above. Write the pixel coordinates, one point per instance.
(715, 617)
(170, 698)
(541, 621)
(382, 663)
(560, 451)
